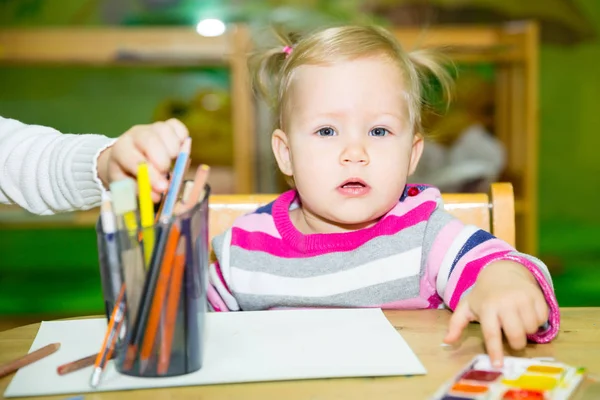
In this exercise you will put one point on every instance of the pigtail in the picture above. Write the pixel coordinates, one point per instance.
(266, 69)
(429, 64)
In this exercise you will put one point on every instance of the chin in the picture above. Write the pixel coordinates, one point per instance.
(355, 221)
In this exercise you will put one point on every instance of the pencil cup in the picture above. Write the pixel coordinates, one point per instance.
(161, 272)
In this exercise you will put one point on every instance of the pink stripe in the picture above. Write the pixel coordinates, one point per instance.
(479, 251)
(215, 300)
(258, 223)
(410, 202)
(220, 275)
(258, 241)
(554, 315)
(438, 249)
(469, 276)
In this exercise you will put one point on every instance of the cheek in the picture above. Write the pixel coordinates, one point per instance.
(396, 154)
(309, 154)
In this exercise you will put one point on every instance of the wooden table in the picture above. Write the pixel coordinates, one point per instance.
(577, 344)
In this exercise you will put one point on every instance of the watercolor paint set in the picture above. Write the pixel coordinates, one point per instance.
(519, 379)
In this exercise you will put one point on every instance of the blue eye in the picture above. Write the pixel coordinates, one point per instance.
(378, 132)
(326, 132)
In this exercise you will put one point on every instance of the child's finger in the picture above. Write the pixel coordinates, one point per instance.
(529, 318)
(158, 180)
(490, 326)
(513, 328)
(124, 166)
(458, 322)
(156, 196)
(170, 139)
(542, 311)
(180, 129)
(150, 144)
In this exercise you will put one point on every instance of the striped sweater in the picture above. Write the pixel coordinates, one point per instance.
(416, 256)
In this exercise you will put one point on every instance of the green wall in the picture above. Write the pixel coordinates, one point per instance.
(569, 185)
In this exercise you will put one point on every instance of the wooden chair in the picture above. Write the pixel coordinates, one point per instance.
(494, 212)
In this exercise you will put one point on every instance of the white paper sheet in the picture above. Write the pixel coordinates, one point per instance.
(239, 347)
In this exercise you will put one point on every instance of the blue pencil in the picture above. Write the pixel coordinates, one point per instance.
(176, 180)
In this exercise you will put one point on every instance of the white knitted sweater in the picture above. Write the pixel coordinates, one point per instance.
(45, 171)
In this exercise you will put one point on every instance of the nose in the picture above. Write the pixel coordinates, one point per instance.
(355, 152)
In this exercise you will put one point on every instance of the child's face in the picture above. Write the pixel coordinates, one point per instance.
(348, 141)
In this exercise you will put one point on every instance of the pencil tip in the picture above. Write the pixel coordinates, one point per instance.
(95, 379)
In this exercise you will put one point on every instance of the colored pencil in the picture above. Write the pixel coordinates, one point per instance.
(199, 183)
(172, 305)
(141, 317)
(30, 358)
(176, 180)
(146, 211)
(112, 271)
(158, 297)
(76, 365)
(112, 332)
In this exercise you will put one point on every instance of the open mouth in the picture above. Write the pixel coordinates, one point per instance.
(354, 183)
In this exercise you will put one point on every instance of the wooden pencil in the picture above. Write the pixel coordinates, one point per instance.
(30, 358)
(112, 332)
(199, 182)
(78, 364)
(172, 305)
(149, 285)
(158, 298)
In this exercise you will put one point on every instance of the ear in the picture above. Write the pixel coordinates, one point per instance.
(416, 152)
(281, 151)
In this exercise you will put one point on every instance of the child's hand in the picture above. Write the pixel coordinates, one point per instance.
(157, 144)
(505, 297)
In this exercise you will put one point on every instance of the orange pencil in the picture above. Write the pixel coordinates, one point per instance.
(112, 331)
(30, 358)
(158, 298)
(172, 304)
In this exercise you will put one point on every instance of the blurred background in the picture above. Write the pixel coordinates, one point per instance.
(525, 111)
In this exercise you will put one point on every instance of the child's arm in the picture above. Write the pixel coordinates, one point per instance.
(218, 291)
(45, 171)
(457, 255)
(218, 294)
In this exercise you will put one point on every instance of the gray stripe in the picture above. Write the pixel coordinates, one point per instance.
(438, 220)
(400, 289)
(543, 268)
(377, 248)
(217, 244)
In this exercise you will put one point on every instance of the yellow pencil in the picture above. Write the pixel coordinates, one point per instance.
(146, 210)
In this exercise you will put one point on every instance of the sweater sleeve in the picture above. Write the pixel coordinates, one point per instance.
(455, 253)
(45, 171)
(218, 293)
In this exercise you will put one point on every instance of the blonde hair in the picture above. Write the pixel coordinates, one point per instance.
(273, 69)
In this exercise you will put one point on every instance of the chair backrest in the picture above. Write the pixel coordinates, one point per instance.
(494, 213)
